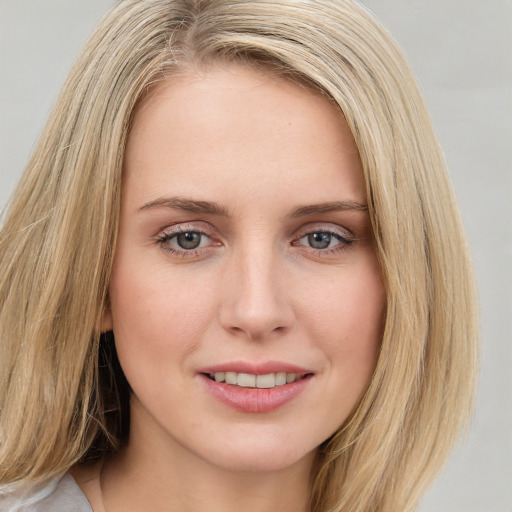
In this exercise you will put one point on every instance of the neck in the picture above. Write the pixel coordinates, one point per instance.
(130, 487)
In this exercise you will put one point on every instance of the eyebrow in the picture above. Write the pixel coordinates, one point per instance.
(186, 205)
(212, 208)
(330, 206)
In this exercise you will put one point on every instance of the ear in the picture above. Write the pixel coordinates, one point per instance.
(107, 323)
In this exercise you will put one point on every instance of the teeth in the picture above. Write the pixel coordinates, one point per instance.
(231, 377)
(266, 381)
(280, 379)
(248, 380)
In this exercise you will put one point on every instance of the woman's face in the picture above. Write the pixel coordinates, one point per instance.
(246, 298)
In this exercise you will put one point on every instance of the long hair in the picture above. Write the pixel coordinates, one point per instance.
(62, 392)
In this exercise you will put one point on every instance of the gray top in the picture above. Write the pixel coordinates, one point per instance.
(61, 494)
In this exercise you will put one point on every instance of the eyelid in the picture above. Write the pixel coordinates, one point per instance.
(341, 233)
(328, 227)
(183, 227)
(163, 237)
(344, 237)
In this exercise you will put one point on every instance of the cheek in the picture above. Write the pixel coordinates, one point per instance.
(155, 315)
(349, 325)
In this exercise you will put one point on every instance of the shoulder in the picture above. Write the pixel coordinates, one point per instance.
(61, 494)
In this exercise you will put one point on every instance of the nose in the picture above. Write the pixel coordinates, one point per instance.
(255, 302)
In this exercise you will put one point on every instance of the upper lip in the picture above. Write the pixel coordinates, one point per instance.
(252, 368)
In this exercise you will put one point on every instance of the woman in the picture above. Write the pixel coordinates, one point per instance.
(233, 274)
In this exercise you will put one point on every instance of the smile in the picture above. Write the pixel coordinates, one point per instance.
(249, 380)
(256, 388)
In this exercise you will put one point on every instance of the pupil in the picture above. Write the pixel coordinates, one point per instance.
(319, 240)
(188, 240)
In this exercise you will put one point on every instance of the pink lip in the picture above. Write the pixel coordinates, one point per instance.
(255, 400)
(255, 368)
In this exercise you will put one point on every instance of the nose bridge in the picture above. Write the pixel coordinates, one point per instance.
(255, 301)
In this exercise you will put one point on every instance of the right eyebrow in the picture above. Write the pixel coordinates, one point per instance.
(186, 205)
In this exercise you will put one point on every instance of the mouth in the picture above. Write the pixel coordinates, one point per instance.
(259, 387)
(250, 380)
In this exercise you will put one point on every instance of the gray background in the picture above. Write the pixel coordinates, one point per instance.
(460, 50)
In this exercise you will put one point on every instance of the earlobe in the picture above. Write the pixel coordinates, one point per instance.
(107, 323)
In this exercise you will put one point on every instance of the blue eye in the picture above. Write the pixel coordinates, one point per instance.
(183, 242)
(319, 240)
(188, 240)
(324, 242)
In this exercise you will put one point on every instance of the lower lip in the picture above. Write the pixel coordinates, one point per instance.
(255, 399)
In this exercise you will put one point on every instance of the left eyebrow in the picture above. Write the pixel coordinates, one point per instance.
(331, 206)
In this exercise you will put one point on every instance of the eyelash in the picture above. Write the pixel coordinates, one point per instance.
(165, 237)
(344, 242)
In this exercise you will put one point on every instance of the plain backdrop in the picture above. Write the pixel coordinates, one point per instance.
(461, 52)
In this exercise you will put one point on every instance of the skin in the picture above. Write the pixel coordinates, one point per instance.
(261, 148)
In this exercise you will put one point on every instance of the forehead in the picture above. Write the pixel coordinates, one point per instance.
(231, 124)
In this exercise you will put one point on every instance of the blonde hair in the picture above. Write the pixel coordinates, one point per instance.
(59, 404)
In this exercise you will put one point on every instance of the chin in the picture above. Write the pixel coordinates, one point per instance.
(264, 462)
(253, 455)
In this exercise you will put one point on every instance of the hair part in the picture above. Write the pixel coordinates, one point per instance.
(59, 237)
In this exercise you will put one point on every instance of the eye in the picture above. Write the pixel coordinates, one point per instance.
(320, 240)
(183, 241)
(188, 240)
(324, 241)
